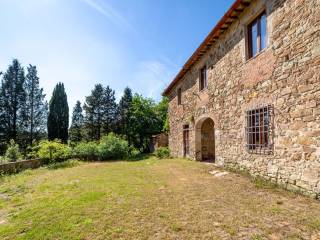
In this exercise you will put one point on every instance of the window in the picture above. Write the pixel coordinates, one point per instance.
(179, 96)
(186, 140)
(259, 130)
(203, 78)
(257, 35)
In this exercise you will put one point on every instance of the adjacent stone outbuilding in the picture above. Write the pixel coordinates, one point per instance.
(249, 97)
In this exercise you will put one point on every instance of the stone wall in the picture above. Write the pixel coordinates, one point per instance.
(159, 140)
(286, 75)
(15, 167)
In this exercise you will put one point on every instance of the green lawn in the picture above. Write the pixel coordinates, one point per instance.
(150, 199)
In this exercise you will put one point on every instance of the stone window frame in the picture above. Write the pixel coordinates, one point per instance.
(259, 132)
(247, 21)
(203, 83)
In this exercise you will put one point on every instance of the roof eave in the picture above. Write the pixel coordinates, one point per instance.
(237, 7)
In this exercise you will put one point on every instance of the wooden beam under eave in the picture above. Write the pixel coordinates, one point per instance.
(238, 10)
(229, 20)
(234, 15)
(242, 5)
(246, 2)
(224, 26)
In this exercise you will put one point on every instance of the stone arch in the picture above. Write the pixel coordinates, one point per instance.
(205, 139)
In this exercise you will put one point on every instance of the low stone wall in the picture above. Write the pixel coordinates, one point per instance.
(14, 167)
(298, 176)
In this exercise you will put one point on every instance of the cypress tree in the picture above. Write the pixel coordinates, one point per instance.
(58, 117)
(12, 102)
(75, 132)
(36, 106)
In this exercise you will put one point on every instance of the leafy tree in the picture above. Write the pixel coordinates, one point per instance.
(162, 115)
(100, 112)
(142, 120)
(36, 107)
(76, 128)
(146, 119)
(124, 114)
(12, 102)
(58, 118)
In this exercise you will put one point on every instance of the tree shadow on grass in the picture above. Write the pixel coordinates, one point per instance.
(75, 162)
(139, 157)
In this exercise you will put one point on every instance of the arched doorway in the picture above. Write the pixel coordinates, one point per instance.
(205, 140)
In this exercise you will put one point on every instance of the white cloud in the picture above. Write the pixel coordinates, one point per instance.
(110, 13)
(152, 77)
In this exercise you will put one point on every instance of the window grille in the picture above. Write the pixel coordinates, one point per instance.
(259, 130)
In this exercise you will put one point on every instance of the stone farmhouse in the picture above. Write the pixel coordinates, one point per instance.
(249, 96)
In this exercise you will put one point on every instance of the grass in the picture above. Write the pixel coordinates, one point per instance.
(149, 199)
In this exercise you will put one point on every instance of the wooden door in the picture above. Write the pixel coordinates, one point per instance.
(186, 146)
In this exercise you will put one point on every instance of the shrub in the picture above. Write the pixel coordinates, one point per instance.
(162, 152)
(12, 153)
(53, 151)
(86, 151)
(3, 159)
(66, 164)
(32, 151)
(134, 153)
(112, 147)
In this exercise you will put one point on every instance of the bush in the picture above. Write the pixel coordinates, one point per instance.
(134, 153)
(32, 151)
(3, 159)
(162, 152)
(53, 151)
(12, 153)
(66, 164)
(86, 151)
(112, 147)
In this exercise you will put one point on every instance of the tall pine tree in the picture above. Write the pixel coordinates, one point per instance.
(76, 129)
(124, 114)
(100, 112)
(110, 110)
(58, 117)
(12, 102)
(36, 107)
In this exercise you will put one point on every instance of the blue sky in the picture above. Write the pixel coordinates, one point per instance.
(137, 43)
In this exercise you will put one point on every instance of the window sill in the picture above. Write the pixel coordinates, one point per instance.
(203, 90)
(256, 56)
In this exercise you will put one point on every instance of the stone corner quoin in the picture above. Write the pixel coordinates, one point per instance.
(259, 113)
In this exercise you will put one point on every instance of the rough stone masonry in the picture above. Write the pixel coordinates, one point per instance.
(284, 75)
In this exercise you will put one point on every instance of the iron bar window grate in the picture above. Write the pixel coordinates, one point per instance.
(259, 130)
